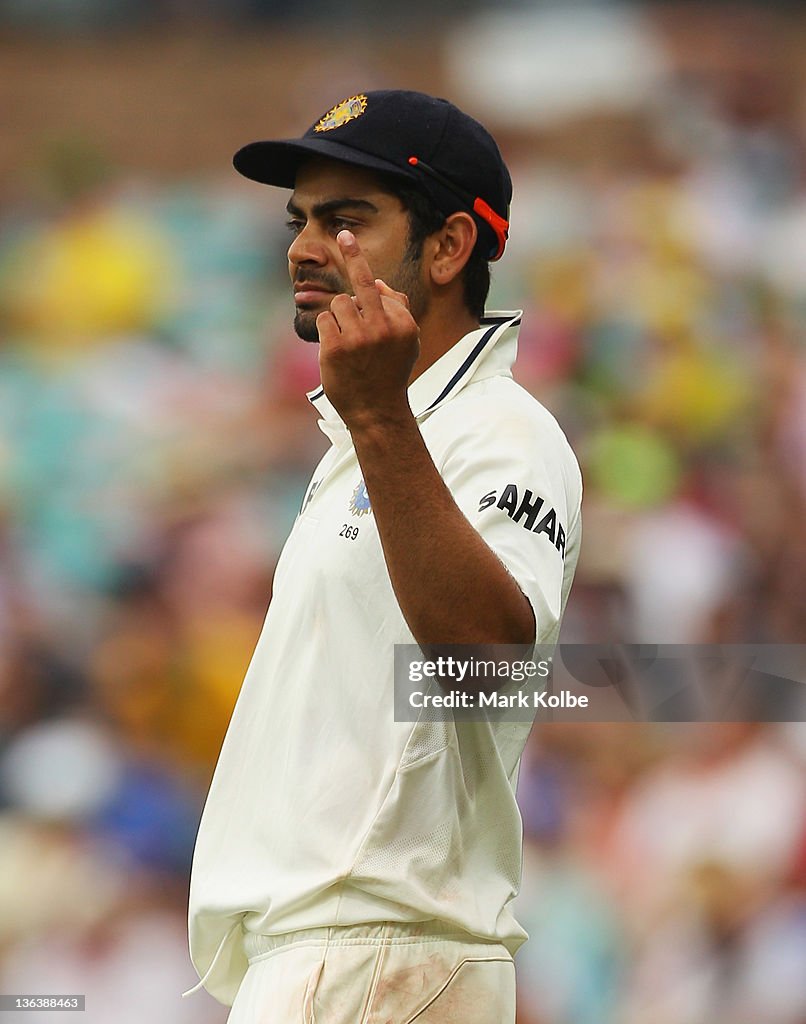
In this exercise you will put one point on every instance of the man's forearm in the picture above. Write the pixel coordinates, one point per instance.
(451, 587)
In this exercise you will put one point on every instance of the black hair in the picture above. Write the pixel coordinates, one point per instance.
(424, 219)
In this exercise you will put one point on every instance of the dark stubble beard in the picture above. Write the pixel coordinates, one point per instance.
(406, 279)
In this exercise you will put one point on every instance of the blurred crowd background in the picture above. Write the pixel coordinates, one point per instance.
(155, 442)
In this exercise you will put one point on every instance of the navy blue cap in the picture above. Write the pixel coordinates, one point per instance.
(425, 141)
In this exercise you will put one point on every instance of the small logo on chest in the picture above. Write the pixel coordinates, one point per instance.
(360, 503)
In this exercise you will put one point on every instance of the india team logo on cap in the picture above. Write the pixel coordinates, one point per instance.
(343, 112)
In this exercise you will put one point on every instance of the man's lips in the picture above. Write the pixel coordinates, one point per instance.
(308, 292)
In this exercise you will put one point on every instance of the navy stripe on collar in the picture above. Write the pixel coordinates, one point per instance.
(495, 322)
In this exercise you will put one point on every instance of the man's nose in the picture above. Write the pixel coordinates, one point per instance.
(307, 247)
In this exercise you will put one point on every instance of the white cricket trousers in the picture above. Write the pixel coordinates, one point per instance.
(375, 974)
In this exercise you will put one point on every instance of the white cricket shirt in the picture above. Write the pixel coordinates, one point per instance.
(325, 811)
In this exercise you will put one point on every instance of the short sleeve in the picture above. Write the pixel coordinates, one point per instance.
(513, 474)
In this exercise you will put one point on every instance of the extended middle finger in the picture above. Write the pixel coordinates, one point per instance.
(359, 272)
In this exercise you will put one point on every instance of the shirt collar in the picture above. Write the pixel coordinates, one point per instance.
(489, 351)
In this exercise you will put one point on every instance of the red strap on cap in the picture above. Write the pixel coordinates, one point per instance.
(496, 222)
(499, 225)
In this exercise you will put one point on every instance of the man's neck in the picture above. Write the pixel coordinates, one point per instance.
(440, 329)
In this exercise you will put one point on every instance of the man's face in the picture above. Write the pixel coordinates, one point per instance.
(328, 197)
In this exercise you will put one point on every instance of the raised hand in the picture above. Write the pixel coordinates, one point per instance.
(368, 344)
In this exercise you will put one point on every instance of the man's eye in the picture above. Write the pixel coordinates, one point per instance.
(340, 223)
(294, 226)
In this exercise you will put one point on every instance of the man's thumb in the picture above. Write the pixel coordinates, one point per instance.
(390, 293)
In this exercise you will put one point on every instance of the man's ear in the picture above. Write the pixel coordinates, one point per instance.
(452, 247)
